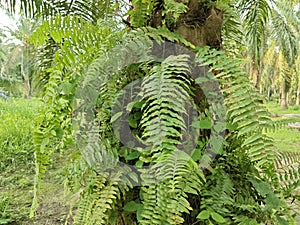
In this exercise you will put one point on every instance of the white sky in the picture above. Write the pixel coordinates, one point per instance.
(5, 20)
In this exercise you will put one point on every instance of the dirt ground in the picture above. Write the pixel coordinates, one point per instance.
(17, 188)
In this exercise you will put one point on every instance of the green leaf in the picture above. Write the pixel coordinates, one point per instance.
(203, 215)
(196, 154)
(132, 206)
(132, 122)
(217, 217)
(130, 106)
(203, 124)
(263, 188)
(139, 163)
(206, 124)
(219, 126)
(133, 155)
(115, 117)
(201, 80)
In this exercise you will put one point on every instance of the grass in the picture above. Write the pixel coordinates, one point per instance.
(286, 139)
(17, 118)
(17, 169)
(275, 108)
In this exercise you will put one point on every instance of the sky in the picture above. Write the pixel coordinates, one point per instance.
(6, 21)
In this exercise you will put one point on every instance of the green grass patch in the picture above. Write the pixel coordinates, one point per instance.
(286, 139)
(17, 121)
(275, 108)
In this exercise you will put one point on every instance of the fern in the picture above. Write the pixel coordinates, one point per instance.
(99, 198)
(165, 93)
(244, 107)
(165, 190)
(288, 171)
(165, 97)
(167, 184)
(173, 190)
(76, 48)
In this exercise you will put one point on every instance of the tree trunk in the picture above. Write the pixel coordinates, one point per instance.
(25, 70)
(27, 88)
(298, 91)
(254, 73)
(283, 94)
(200, 25)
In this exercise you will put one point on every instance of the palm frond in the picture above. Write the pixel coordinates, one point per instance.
(255, 14)
(285, 33)
(90, 10)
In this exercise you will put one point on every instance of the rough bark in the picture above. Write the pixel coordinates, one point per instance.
(283, 94)
(200, 25)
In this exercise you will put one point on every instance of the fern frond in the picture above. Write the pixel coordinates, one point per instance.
(89, 10)
(73, 53)
(288, 171)
(165, 190)
(98, 201)
(243, 104)
(165, 95)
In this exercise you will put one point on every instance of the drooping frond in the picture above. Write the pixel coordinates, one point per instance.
(165, 190)
(284, 32)
(64, 67)
(244, 108)
(255, 14)
(98, 199)
(165, 92)
(288, 172)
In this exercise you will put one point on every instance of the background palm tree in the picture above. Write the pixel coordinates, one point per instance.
(10, 68)
(18, 63)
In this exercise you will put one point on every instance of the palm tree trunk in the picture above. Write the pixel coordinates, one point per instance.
(255, 75)
(25, 71)
(283, 94)
(298, 91)
(200, 25)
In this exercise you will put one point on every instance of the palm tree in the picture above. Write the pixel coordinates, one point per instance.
(266, 20)
(10, 77)
(20, 56)
(21, 35)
